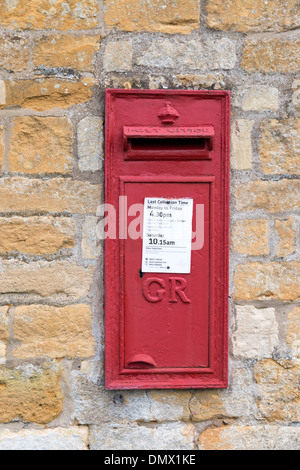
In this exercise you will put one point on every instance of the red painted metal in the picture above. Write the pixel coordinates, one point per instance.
(168, 143)
(167, 330)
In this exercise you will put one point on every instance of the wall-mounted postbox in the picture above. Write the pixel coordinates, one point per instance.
(166, 248)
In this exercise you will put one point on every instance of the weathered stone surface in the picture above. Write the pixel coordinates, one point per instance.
(207, 404)
(157, 82)
(239, 400)
(197, 81)
(167, 436)
(122, 81)
(2, 92)
(293, 332)
(287, 237)
(250, 237)
(2, 149)
(95, 405)
(36, 235)
(241, 145)
(257, 98)
(90, 144)
(30, 393)
(259, 437)
(272, 196)
(170, 405)
(74, 438)
(118, 56)
(44, 94)
(60, 278)
(271, 55)
(266, 281)
(55, 332)
(296, 94)
(253, 15)
(190, 54)
(66, 51)
(27, 155)
(4, 331)
(3, 346)
(256, 334)
(279, 146)
(279, 394)
(163, 16)
(14, 52)
(90, 246)
(236, 401)
(37, 14)
(53, 195)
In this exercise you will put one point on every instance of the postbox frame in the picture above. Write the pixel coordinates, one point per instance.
(216, 375)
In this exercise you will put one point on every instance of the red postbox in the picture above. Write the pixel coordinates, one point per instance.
(166, 251)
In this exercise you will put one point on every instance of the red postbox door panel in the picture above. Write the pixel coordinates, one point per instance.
(166, 329)
(168, 321)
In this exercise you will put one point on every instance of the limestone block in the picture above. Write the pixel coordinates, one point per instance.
(252, 15)
(54, 332)
(4, 331)
(287, 237)
(90, 144)
(45, 94)
(241, 145)
(2, 148)
(250, 237)
(30, 393)
(257, 98)
(267, 281)
(199, 81)
(167, 436)
(95, 405)
(269, 437)
(90, 245)
(296, 94)
(14, 51)
(256, 334)
(279, 394)
(60, 15)
(190, 54)
(60, 278)
(165, 16)
(36, 235)
(293, 331)
(118, 56)
(67, 51)
(271, 196)
(27, 155)
(74, 438)
(53, 195)
(271, 55)
(2, 92)
(279, 146)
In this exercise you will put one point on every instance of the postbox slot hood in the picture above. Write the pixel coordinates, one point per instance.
(153, 132)
(167, 143)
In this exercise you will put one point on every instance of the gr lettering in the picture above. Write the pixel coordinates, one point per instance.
(155, 289)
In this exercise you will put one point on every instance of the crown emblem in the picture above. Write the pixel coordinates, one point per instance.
(167, 114)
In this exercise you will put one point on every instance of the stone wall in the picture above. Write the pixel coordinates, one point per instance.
(56, 59)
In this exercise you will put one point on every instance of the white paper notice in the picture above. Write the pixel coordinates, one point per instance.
(167, 235)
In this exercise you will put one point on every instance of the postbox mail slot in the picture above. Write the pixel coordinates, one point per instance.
(168, 143)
